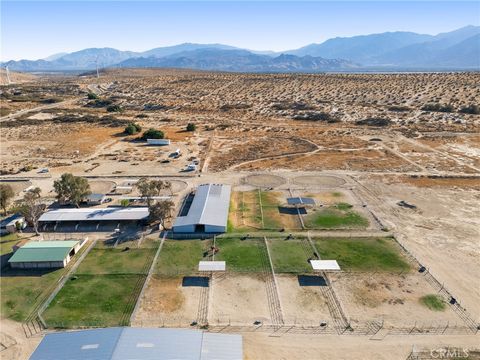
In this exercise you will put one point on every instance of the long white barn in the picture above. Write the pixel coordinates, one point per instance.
(208, 211)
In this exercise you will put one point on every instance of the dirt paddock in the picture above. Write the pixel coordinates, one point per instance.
(326, 181)
(389, 297)
(168, 303)
(264, 180)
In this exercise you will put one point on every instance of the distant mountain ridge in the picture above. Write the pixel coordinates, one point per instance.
(455, 50)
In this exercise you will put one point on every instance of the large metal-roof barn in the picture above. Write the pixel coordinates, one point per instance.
(44, 254)
(139, 344)
(207, 212)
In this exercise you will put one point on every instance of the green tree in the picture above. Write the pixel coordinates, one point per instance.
(161, 211)
(153, 134)
(124, 202)
(92, 96)
(150, 188)
(32, 207)
(71, 189)
(6, 195)
(191, 127)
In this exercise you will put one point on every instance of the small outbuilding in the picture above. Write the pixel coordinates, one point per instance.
(300, 201)
(45, 254)
(95, 199)
(12, 224)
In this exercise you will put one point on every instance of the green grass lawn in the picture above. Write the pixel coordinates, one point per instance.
(181, 257)
(363, 254)
(335, 217)
(433, 302)
(289, 256)
(242, 256)
(94, 300)
(7, 241)
(115, 261)
(104, 289)
(22, 290)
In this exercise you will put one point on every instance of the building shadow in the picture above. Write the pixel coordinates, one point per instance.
(311, 280)
(197, 281)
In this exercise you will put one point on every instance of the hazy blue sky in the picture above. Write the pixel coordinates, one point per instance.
(37, 29)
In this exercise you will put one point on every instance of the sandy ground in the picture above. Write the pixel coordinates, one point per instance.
(443, 233)
(262, 346)
(395, 299)
(301, 305)
(18, 346)
(239, 299)
(167, 302)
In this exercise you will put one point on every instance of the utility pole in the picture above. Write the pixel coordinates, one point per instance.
(8, 75)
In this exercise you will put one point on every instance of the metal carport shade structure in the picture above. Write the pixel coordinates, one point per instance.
(139, 343)
(98, 214)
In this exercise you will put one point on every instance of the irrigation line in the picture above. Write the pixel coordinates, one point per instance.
(149, 275)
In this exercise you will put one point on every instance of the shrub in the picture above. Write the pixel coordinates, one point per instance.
(438, 107)
(92, 96)
(191, 127)
(398, 108)
(114, 108)
(124, 202)
(132, 129)
(433, 302)
(153, 134)
(374, 121)
(470, 109)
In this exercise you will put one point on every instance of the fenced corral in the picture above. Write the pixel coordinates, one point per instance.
(34, 323)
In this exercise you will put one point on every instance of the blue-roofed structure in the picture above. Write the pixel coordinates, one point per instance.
(208, 211)
(300, 201)
(95, 344)
(139, 344)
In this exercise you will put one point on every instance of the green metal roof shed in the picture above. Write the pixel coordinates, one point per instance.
(43, 251)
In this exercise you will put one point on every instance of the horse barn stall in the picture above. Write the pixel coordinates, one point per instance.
(45, 254)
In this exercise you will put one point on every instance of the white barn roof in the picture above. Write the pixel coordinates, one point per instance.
(105, 214)
(211, 266)
(209, 207)
(325, 265)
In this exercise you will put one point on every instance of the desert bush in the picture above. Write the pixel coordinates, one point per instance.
(114, 108)
(470, 109)
(374, 121)
(191, 127)
(132, 129)
(438, 107)
(153, 134)
(92, 96)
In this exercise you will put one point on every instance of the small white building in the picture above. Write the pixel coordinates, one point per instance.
(161, 142)
(95, 199)
(12, 224)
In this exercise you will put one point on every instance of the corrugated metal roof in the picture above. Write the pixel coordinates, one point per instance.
(96, 344)
(300, 201)
(139, 344)
(209, 206)
(51, 244)
(11, 220)
(40, 251)
(325, 265)
(106, 214)
(158, 344)
(221, 347)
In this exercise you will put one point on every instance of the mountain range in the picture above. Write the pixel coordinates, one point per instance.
(455, 50)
